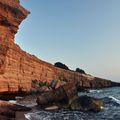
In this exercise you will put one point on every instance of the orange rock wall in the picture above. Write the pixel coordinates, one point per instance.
(18, 68)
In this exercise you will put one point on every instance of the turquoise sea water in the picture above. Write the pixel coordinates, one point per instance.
(111, 111)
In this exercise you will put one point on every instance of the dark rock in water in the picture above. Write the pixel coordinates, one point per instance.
(71, 90)
(19, 108)
(68, 93)
(64, 94)
(51, 97)
(86, 103)
(9, 110)
(8, 113)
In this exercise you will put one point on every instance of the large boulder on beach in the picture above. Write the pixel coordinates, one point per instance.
(86, 103)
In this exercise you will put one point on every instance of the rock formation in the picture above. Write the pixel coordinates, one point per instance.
(18, 68)
(66, 96)
(9, 110)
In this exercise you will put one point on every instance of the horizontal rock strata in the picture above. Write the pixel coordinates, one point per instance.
(18, 68)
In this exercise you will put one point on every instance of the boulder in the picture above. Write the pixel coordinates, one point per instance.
(9, 109)
(7, 113)
(86, 103)
(49, 98)
(64, 95)
(52, 108)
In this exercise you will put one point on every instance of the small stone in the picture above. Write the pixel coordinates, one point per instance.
(51, 108)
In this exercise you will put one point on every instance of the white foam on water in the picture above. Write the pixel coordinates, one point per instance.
(43, 115)
(93, 91)
(34, 116)
(115, 99)
(31, 105)
(18, 97)
(27, 116)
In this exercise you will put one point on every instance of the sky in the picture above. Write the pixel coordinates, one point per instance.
(78, 33)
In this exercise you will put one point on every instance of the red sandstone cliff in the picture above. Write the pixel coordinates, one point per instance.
(18, 68)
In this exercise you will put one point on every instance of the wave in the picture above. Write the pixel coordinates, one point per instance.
(61, 115)
(27, 116)
(95, 91)
(110, 105)
(32, 116)
(115, 99)
(111, 100)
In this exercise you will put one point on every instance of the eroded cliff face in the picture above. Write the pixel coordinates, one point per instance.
(11, 15)
(18, 68)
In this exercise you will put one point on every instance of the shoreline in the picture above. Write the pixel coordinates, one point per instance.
(29, 99)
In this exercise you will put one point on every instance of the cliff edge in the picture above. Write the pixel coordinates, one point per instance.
(18, 68)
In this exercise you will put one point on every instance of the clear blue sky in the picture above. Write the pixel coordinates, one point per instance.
(79, 33)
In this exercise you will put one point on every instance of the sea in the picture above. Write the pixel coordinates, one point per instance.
(111, 111)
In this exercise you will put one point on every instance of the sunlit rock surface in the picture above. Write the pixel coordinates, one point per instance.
(18, 68)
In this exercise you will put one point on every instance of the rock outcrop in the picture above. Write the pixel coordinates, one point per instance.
(18, 68)
(9, 110)
(66, 96)
(86, 103)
